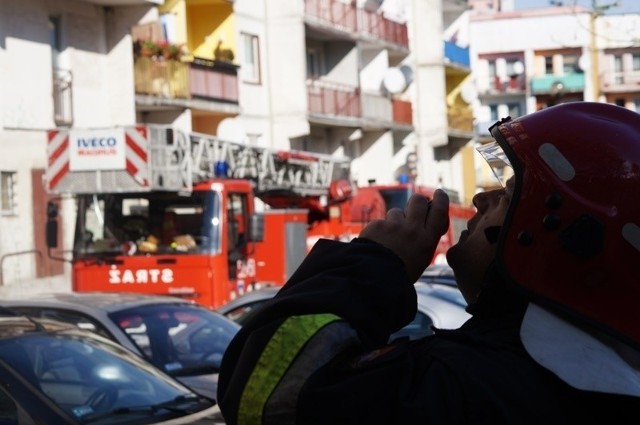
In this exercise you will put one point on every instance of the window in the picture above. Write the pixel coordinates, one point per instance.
(7, 192)
(313, 64)
(548, 65)
(635, 61)
(514, 109)
(617, 66)
(514, 67)
(620, 101)
(493, 110)
(492, 73)
(251, 63)
(636, 105)
(570, 64)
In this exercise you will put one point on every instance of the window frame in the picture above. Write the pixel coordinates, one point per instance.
(8, 192)
(251, 56)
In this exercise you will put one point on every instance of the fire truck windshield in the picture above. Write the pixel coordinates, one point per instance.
(147, 223)
(396, 198)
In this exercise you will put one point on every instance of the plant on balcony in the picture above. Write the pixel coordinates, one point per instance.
(158, 50)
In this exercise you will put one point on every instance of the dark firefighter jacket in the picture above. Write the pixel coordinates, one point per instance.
(317, 354)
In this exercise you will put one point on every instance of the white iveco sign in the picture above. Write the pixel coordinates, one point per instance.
(97, 150)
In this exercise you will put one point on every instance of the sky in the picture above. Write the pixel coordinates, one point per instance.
(624, 6)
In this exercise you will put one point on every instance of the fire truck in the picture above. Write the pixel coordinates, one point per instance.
(163, 211)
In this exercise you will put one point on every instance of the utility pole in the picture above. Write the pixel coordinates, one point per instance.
(596, 11)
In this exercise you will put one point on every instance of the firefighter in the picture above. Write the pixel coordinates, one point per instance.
(548, 266)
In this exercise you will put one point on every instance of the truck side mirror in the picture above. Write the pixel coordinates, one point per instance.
(52, 225)
(257, 228)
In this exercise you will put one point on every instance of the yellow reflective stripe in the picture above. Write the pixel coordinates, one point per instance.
(274, 361)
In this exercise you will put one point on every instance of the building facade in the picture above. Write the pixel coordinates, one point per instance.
(377, 81)
(526, 60)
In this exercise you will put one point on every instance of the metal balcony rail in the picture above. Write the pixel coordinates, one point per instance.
(62, 97)
(334, 99)
(352, 19)
(621, 80)
(402, 111)
(202, 79)
(333, 12)
(213, 80)
(163, 78)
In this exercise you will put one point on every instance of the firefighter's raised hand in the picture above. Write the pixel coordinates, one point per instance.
(413, 234)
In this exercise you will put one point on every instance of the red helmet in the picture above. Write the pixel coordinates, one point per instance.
(572, 232)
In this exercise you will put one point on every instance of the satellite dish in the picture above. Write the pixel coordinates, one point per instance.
(231, 130)
(468, 92)
(583, 63)
(518, 68)
(394, 81)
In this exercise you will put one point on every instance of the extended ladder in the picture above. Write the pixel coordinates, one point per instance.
(179, 159)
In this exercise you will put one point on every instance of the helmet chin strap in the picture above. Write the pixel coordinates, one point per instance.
(491, 233)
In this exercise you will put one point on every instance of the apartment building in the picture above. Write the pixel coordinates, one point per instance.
(373, 80)
(526, 60)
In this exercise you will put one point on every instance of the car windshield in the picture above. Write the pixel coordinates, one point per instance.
(92, 379)
(181, 339)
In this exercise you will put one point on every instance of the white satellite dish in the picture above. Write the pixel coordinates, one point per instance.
(231, 130)
(468, 92)
(394, 81)
(583, 63)
(518, 68)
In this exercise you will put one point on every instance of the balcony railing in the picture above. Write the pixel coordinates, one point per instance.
(62, 97)
(620, 81)
(334, 99)
(333, 12)
(460, 118)
(511, 84)
(351, 19)
(202, 79)
(213, 80)
(164, 78)
(375, 25)
(402, 111)
(552, 84)
(456, 55)
(376, 107)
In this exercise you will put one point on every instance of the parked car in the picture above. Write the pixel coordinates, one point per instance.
(56, 373)
(184, 339)
(440, 304)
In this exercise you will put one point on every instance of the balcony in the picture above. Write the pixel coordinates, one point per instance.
(460, 120)
(334, 100)
(372, 24)
(456, 55)
(553, 84)
(335, 14)
(200, 79)
(616, 82)
(162, 78)
(213, 80)
(402, 111)
(350, 19)
(376, 108)
(515, 84)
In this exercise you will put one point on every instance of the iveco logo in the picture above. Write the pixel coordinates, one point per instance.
(140, 276)
(97, 142)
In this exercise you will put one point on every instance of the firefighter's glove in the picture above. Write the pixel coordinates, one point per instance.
(413, 234)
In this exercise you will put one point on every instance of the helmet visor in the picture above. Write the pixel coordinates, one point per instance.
(497, 160)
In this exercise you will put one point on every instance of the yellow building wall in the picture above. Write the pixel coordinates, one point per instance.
(209, 25)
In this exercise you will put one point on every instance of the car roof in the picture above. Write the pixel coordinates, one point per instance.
(264, 293)
(12, 326)
(104, 301)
